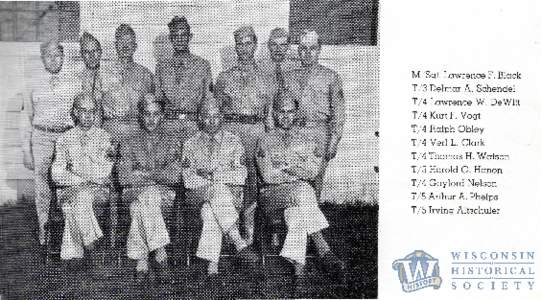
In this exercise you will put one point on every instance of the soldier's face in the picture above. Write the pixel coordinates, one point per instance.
(180, 39)
(91, 52)
(245, 48)
(285, 116)
(278, 48)
(125, 45)
(85, 116)
(152, 116)
(52, 60)
(309, 54)
(211, 122)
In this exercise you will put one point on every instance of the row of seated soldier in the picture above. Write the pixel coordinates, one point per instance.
(258, 135)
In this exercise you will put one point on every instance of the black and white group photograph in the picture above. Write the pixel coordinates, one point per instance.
(189, 149)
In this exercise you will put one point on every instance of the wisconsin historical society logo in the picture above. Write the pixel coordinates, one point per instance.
(418, 270)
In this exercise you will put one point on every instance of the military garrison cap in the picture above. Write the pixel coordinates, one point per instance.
(278, 34)
(177, 23)
(309, 38)
(244, 31)
(52, 44)
(124, 29)
(87, 37)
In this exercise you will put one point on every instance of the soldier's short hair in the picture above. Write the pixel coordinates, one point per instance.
(244, 31)
(178, 22)
(279, 32)
(87, 37)
(309, 37)
(52, 43)
(124, 29)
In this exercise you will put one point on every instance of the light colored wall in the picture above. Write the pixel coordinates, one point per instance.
(350, 177)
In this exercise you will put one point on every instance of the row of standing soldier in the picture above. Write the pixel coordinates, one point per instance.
(245, 124)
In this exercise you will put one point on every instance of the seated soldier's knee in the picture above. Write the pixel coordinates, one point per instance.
(135, 208)
(83, 197)
(207, 215)
(293, 217)
(218, 191)
(219, 187)
(149, 196)
(304, 194)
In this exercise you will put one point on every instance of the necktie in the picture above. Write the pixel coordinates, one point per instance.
(84, 141)
(214, 145)
(178, 67)
(278, 75)
(54, 81)
(288, 138)
(150, 154)
(92, 92)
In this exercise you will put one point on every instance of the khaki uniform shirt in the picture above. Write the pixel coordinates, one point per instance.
(245, 90)
(118, 90)
(277, 71)
(48, 102)
(154, 152)
(279, 150)
(181, 82)
(223, 155)
(82, 156)
(321, 96)
(127, 87)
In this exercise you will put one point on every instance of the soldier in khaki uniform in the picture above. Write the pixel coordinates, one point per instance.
(214, 173)
(45, 115)
(127, 83)
(277, 64)
(319, 90)
(246, 94)
(91, 77)
(82, 165)
(182, 81)
(288, 158)
(150, 172)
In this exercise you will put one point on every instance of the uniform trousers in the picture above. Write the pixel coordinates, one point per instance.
(319, 133)
(81, 205)
(249, 134)
(148, 230)
(220, 205)
(43, 148)
(302, 215)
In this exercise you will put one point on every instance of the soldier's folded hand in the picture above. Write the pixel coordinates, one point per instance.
(296, 171)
